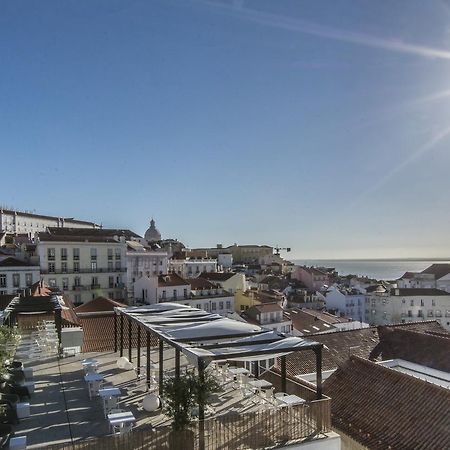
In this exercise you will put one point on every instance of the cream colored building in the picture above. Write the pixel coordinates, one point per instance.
(85, 263)
(16, 275)
(192, 267)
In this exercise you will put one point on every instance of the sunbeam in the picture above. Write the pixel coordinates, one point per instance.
(314, 29)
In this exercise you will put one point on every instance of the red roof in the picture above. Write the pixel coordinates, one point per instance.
(382, 408)
(99, 304)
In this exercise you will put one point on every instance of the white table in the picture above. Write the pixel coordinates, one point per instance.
(290, 400)
(239, 371)
(120, 419)
(261, 384)
(93, 377)
(109, 392)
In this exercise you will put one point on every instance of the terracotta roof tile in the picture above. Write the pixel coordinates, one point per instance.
(339, 345)
(385, 409)
(99, 304)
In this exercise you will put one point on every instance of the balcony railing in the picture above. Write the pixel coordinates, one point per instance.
(98, 270)
(269, 428)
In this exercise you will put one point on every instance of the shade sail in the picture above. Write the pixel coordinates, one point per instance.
(203, 336)
(253, 349)
(217, 328)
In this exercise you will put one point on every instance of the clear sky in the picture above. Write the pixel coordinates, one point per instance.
(319, 125)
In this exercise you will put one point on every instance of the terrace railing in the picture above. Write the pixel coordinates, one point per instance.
(269, 428)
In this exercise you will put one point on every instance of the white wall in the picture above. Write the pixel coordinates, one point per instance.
(21, 273)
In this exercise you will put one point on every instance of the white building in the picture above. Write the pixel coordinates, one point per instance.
(408, 305)
(85, 263)
(225, 260)
(16, 222)
(143, 260)
(270, 316)
(346, 302)
(192, 267)
(436, 276)
(16, 275)
(230, 281)
(162, 288)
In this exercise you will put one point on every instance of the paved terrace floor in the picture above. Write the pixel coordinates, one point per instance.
(61, 411)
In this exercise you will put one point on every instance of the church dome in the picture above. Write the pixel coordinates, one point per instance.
(152, 234)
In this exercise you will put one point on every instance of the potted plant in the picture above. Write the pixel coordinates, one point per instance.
(181, 396)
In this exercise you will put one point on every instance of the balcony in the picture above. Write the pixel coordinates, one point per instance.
(98, 270)
(95, 286)
(78, 287)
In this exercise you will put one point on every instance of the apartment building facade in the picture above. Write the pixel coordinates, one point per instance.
(85, 264)
(17, 275)
(403, 305)
(15, 222)
(192, 267)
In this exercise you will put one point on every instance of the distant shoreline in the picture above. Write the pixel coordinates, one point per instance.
(372, 259)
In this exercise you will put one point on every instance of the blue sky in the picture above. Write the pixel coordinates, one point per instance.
(323, 126)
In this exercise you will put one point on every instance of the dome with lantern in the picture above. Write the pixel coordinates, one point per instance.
(152, 234)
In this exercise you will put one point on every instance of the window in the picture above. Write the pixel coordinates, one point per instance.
(110, 266)
(412, 302)
(51, 254)
(433, 302)
(28, 279)
(117, 253)
(220, 305)
(185, 293)
(438, 313)
(430, 313)
(65, 284)
(3, 280)
(76, 267)
(77, 281)
(94, 266)
(242, 308)
(118, 265)
(174, 293)
(422, 303)
(77, 299)
(420, 313)
(410, 313)
(228, 304)
(198, 306)
(76, 254)
(64, 267)
(160, 263)
(164, 294)
(63, 254)
(94, 282)
(213, 306)
(52, 282)
(111, 282)
(16, 280)
(110, 253)
(51, 267)
(93, 254)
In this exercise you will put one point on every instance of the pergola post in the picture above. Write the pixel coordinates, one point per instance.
(318, 352)
(161, 365)
(201, 407)
(139, 350)
(148, 359)
(130, 326)
(58, 324)
(115, 332)
(177, 363)
(121, 335)
(256, 368)
(283, 374)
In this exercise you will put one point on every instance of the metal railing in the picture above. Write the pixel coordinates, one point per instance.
(254, 430)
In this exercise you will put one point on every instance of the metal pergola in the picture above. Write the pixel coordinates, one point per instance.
(204, 337)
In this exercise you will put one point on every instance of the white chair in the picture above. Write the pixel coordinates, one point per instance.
(93, 387)
(110, 404)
